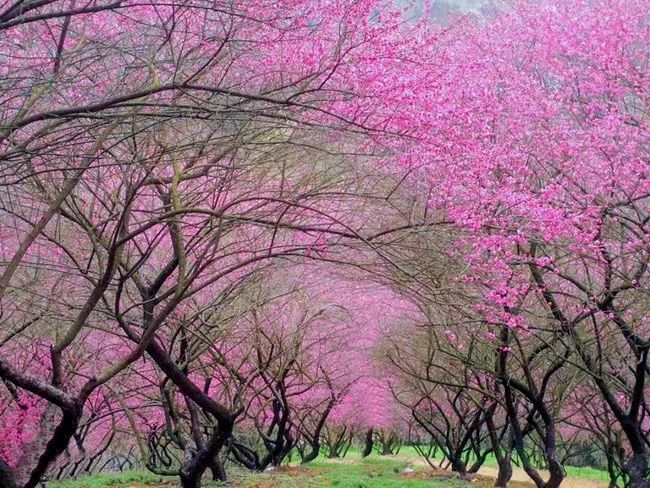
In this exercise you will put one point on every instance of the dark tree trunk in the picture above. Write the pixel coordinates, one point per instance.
(518, 440)
(505, 472)
(57, 444)
(279, 446)
(192, 472)
(218, 470)
(6, 476)
(557, 474)
(554, 466)
(314, 444)
(502, 454)
(313, 453)
(458, 466)
(548, 438)
(636, 469)
(245, 456)
(367, 450)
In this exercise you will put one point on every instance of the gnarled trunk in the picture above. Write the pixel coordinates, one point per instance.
(205, 457)
(505, 472)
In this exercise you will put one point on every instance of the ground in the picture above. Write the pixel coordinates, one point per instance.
(405, 470)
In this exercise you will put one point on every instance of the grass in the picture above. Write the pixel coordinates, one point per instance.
(360, 473)
(587, 473)
(351, 472)
(573, 471)
(106, 480)
(357, 473)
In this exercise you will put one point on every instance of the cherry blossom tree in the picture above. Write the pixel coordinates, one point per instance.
(176, 175)
(543, 163)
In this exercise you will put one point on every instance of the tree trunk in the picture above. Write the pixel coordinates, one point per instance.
(192, 472)
(458, 466)
(218, 470)
(502, 455)
(557, 474)
(6, 476)
(636, 468)
(315, 440)
(504, 474)
(31, 450)
(57, 444)
(518, 440)
(367, 450)
(313, 453)
(550, 452)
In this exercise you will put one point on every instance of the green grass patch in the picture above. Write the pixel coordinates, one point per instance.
(490, 460)
(348, 473)
(345, 473)
(108, 480)
(587, 473)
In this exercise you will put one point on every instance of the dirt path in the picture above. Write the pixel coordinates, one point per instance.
(520, 475)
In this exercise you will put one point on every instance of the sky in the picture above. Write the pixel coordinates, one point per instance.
(443, 9)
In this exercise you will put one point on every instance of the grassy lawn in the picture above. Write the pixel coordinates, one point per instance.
(124, 479)
(349, 473)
